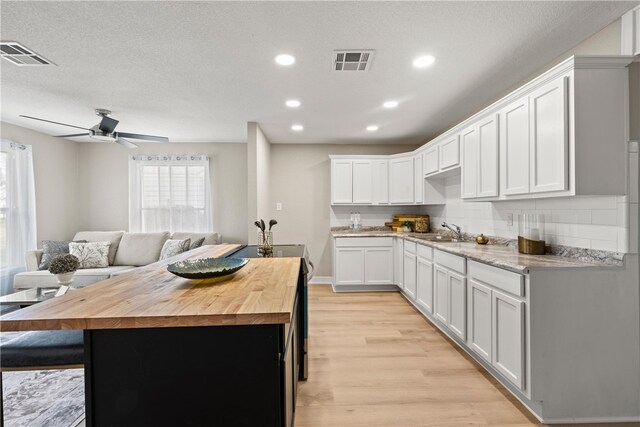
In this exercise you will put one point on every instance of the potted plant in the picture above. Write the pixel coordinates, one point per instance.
(64, 266)
(407, 226)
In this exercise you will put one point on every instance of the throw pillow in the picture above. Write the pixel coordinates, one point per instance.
(196, 243)
(174, 247)
(53, 248)
(91, 255)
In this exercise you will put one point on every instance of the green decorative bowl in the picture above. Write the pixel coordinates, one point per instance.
(206, 268)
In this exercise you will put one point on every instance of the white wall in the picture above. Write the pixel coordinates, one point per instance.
(258, 169)
(55, 167)
(300, 180)
(104, 184)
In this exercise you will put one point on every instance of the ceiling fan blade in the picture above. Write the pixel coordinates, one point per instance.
(107, 124)
(126, 143)
(72, 135)
(141, 137)
(49, 121)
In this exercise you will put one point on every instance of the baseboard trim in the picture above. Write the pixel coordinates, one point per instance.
(594, 420)
(320, 280)
(364, 288)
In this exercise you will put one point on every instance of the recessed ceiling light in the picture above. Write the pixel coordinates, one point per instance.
(390, 104)
(372, 128)
(423, 61)
(297, 128)
(285, 59)
(293, 103)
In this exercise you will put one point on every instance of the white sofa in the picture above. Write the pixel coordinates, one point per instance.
(127, 252)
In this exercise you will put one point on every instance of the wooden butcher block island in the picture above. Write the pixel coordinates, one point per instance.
(161, 350)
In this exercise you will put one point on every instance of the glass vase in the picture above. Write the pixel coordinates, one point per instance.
(265, 242)
(531, 234)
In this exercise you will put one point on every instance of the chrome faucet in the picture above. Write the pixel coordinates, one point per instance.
(457, 231)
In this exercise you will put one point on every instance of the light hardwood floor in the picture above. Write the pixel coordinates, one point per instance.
(375, 361)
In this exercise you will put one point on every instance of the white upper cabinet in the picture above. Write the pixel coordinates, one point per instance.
(631, 32)
(362, 182)
(562, 134)
(469, 180)
(341, 182)
(514, 148)
(449, 152)
(431, 159)
(549, 139)
(418, 186)
(401, 180)
(488, 157)
(480, 159)
(380, 182)
(359, 181)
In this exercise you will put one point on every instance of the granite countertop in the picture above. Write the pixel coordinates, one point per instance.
(498, 254)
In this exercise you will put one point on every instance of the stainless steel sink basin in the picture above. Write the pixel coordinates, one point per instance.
(437, 238)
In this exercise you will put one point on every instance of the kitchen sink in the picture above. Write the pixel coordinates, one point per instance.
(436, 238)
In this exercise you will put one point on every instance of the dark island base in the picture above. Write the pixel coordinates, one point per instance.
(192, 376)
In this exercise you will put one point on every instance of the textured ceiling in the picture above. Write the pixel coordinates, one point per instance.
(199, 71)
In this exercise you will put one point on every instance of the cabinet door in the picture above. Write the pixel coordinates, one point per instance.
(487, 182)
(457, 304)
(410, 275)
(469, 141)
(441, 294)
(349, 266)
(508, 337)
(449, 152)
(424, 279)
(418, 176)
(398, 262)
(431, 160)
(381, 182)
(341, 183)
(378, 266)
(401, 180)
(362, 182)
(479, 319)
(514, 148)
(549, 147)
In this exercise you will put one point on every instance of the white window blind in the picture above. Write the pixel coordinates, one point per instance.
(170, 193)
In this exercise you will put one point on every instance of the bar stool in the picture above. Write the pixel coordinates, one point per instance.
(41, 350)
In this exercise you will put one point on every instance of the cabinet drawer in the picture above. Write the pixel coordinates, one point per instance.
(425, 252)
(410, 247)
(498, 278)
(360, 242)
(453, 262)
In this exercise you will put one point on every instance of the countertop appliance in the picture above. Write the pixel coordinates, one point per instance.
(306, 273)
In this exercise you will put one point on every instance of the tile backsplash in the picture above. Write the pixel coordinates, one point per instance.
(598, 222)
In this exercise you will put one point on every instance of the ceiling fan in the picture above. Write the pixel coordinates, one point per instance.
(105, 131)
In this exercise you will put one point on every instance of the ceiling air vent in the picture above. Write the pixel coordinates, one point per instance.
(352, 60)
(18, 54)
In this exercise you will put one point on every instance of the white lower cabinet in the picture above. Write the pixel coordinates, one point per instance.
(378, 263)
(479, 319)
(349, 266)
(398, 256)
(410, 274)
(457, 285)
(364, 261)
(508, 337)
(496, 321)
(424, 282)
(441, 294)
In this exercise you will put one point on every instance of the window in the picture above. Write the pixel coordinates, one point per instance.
(17, 210)
(4, 259)
(170, 194)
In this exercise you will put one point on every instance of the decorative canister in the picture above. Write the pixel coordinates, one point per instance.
(482, 239)
(422, 225)
(531, 232)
